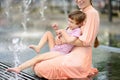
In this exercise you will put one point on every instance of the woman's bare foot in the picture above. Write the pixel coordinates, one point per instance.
(34, 47)
(92, 75)
(16, 70)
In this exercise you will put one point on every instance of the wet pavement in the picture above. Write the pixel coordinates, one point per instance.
(106, 58)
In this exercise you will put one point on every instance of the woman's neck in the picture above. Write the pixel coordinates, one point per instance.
(86, 8)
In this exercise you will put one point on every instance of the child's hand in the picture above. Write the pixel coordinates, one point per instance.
(60, 31)
(55, 26)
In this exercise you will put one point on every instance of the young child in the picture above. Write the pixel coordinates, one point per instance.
(75, 21)
(72, 32)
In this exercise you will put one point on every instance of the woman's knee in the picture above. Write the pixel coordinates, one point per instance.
(36, 71)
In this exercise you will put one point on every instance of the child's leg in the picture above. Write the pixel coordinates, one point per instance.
(33, 61)
(47, 37)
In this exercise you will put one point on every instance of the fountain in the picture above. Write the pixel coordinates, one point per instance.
(7, 10)
(42, 8)
(16, 46)
(65, 9)
(26, 4)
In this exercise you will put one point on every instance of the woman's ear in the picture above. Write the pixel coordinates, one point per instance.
(76, 1)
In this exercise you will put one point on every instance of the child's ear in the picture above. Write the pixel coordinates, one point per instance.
(84, 22)
(81, 24)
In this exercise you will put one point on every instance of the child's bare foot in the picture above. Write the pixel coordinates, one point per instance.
(16, 70)
(34, 47)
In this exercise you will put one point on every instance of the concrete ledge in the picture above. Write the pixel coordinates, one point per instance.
(110, 49)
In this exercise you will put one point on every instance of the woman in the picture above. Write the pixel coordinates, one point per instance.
(78, 63)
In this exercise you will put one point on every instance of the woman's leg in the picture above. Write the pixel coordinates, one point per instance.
(33, 61)
(47, 37)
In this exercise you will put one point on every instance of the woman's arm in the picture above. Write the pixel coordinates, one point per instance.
(78, 43)
(70, 39)
(66, 38)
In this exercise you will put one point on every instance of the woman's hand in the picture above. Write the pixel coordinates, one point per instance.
(78, 43)
(67, 39)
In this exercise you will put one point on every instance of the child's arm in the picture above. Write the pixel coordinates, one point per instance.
(67, 38)
(55, 27)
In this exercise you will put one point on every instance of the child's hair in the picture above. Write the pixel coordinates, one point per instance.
(78, 16)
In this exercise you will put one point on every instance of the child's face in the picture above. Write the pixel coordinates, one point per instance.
(72, 24)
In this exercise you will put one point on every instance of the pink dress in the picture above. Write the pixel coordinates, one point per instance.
(78, 63)
(66, 48)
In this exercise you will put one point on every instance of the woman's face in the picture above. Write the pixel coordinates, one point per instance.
(83, 3)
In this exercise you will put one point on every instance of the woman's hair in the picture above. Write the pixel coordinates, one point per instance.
(96, 43)
(91, 2)
(78, 16)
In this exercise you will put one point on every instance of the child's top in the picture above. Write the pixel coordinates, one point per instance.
(66, 48)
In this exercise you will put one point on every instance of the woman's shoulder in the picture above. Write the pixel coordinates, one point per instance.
(92, 11)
